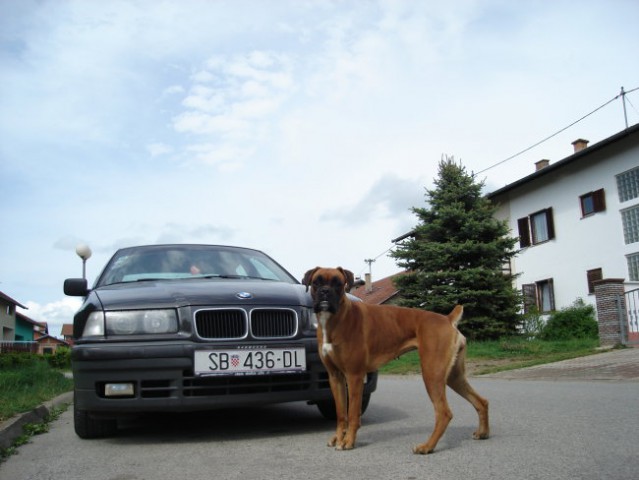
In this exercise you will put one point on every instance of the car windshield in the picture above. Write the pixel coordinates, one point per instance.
(171, 262)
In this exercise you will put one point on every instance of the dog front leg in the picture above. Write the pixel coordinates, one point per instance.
(355, 392)
(338, 388)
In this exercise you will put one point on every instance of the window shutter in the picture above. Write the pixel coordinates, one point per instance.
(550, 223)
(599, 200)
(524, 232)
(529, 292)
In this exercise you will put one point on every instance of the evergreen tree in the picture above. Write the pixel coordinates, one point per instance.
(456, 254)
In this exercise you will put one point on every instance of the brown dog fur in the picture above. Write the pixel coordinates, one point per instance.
(355, 338)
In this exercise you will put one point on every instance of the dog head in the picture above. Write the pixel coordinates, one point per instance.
(328, 287)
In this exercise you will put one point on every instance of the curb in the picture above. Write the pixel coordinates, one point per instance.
(11, 429)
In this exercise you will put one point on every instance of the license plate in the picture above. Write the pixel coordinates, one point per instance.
(249, 361)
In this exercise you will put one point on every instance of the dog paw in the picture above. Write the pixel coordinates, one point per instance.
(422, 449)
(480, 435)
(345, 446)
(332, 441)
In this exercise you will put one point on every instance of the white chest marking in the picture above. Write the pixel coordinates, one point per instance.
(327, 348)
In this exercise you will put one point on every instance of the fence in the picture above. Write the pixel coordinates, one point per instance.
(12, 347)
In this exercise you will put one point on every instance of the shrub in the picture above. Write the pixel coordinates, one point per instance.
(61, 359)
(576, 321)
(18, 359)
(532, 324)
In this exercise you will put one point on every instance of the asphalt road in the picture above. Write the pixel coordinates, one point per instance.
(540, 429)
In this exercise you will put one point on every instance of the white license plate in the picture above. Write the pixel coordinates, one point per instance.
(249, 361)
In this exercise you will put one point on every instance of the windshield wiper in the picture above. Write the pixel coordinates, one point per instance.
(232, 277)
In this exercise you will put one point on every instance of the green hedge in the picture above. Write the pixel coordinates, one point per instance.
(576, 321)
(61, 359)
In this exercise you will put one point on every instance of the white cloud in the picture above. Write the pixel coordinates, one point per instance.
(157, 149)
(54, 313)
(390, 197)
(173, 90)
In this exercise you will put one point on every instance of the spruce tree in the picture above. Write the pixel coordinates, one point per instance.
(457, 253)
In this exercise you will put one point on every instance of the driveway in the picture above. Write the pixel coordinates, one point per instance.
(581, 428)
(614, 365)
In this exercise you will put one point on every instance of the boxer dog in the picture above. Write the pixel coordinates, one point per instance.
(355, 338)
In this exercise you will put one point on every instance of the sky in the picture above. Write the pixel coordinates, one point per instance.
(307, 129)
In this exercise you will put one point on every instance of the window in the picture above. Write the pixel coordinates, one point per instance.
(539, 295)
(633, 267)
(536, 228)
(630, 221)
(592, 202)
(529, 292)
(546, 296)
(628, 184)
(593, 275)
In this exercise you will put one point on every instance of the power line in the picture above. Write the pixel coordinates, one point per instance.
(621, 94)
(370, 261)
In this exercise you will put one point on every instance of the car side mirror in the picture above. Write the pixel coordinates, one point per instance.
(76, 287)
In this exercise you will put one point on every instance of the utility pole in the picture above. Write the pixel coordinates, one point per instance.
(623, 101)
(370, 262)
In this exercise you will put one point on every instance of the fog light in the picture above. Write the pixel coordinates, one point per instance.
(118, 390)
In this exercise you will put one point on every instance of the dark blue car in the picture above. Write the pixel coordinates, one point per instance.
(169, 328)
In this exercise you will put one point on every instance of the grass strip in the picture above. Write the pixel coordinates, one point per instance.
(25, 387)
(506, 354)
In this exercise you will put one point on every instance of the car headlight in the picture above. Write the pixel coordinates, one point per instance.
(95, 325)
(131, 322)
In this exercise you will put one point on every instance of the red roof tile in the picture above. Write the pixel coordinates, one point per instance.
(382, 291)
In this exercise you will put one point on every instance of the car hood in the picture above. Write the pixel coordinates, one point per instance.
(205, 292)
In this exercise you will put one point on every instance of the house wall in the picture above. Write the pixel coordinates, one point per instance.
(580, 244)
(49, 345)
(7, 320)
(24, 331)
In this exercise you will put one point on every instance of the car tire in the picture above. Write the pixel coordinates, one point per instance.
(89, 427)
(327, 407)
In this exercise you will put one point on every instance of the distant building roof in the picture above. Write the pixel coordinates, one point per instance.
(7, 298)
(381, 291)
(51, 339)
(67, 330)
(568, 160)
(29, 320)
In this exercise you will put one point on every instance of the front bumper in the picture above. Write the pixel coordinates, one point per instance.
(163, 380)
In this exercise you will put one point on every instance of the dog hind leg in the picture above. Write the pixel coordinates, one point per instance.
(436, 388)
(459, 383)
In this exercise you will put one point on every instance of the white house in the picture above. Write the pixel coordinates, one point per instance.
(577, 220)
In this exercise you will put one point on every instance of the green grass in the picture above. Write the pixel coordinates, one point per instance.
(506, 354)
(24, 387)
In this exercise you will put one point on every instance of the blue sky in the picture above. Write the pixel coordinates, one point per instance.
(306, 129)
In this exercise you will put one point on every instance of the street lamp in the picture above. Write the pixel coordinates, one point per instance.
(84, 252)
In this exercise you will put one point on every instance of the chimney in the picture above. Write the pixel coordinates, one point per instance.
(579, 144)
(367, 281)
(541, 164)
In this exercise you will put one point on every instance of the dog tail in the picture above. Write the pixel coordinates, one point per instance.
(456, 315)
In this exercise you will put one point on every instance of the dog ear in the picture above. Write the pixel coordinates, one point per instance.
(349, 277)
(308, 277)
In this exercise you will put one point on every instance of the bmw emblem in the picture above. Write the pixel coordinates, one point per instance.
(244, 295)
